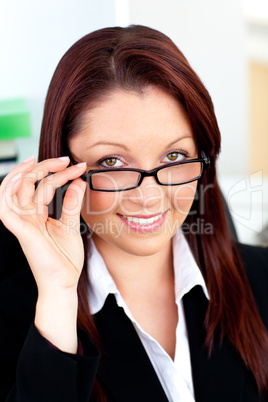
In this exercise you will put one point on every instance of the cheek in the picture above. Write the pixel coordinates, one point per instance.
(182, 198)
(99, 203)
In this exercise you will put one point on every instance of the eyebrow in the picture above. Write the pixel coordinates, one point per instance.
(117, 144)
(179, 139)
(110, 143)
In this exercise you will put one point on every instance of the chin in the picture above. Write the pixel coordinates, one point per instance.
(144, 247)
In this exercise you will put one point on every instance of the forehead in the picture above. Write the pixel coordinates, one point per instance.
(152, 117)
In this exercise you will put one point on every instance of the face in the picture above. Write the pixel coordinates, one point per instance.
(143, 131)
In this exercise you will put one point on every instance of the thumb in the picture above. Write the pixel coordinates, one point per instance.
(72, 202)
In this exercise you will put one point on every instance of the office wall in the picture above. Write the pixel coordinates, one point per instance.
(259, 116)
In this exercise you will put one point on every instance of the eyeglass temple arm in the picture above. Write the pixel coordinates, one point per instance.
(205, 157)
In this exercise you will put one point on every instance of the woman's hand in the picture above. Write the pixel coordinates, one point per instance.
(53, 248)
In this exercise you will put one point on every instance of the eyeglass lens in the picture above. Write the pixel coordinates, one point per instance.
(180, 173)
(114, 180)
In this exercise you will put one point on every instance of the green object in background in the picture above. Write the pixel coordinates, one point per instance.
(14, 119)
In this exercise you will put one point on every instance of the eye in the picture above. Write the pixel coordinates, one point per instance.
(111, 162)
(175, 156)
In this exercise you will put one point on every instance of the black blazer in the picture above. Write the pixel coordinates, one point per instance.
(31, 370)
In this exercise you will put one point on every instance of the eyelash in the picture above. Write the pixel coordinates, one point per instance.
(100, 161)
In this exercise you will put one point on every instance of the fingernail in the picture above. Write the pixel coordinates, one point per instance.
(63, 158)
(29, 159)
(16, 177)
(78, 165)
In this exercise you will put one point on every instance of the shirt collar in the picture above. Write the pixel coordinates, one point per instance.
(101, 282)
(187, 273)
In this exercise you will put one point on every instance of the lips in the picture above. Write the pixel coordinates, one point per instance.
(144, 223)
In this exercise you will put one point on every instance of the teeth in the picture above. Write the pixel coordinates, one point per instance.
(142, 221)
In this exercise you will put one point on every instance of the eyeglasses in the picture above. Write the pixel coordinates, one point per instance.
(172, 174)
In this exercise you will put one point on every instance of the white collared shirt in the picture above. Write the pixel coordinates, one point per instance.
(174, 376)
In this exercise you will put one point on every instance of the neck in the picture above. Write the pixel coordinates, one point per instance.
(134, 274)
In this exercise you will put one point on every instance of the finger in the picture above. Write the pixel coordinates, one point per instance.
(9, 200)
(10, 211)
(8, 193)
(72, 204)
(47, 187)
(39, 171)
(43, 168)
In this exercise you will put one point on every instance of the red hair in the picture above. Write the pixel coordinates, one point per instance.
(131, 59)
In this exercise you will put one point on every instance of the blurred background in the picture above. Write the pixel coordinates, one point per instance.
(225, 41)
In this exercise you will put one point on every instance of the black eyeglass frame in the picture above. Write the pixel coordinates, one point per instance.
(147, 173)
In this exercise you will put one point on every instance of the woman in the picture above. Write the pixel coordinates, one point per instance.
(146, 298)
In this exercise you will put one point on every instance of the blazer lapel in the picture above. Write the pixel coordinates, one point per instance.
(125, 370)
(218, 378)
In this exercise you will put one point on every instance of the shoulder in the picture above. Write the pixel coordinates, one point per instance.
(18, 291)
(16, 278)
(18, 294)
(12, 258)
(255, 262)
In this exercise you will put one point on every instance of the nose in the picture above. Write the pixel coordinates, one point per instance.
(149, 196)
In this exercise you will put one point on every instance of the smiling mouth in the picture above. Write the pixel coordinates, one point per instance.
(143, 221)
(144, 224)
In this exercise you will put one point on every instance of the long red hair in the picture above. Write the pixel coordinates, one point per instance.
(131, 59)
